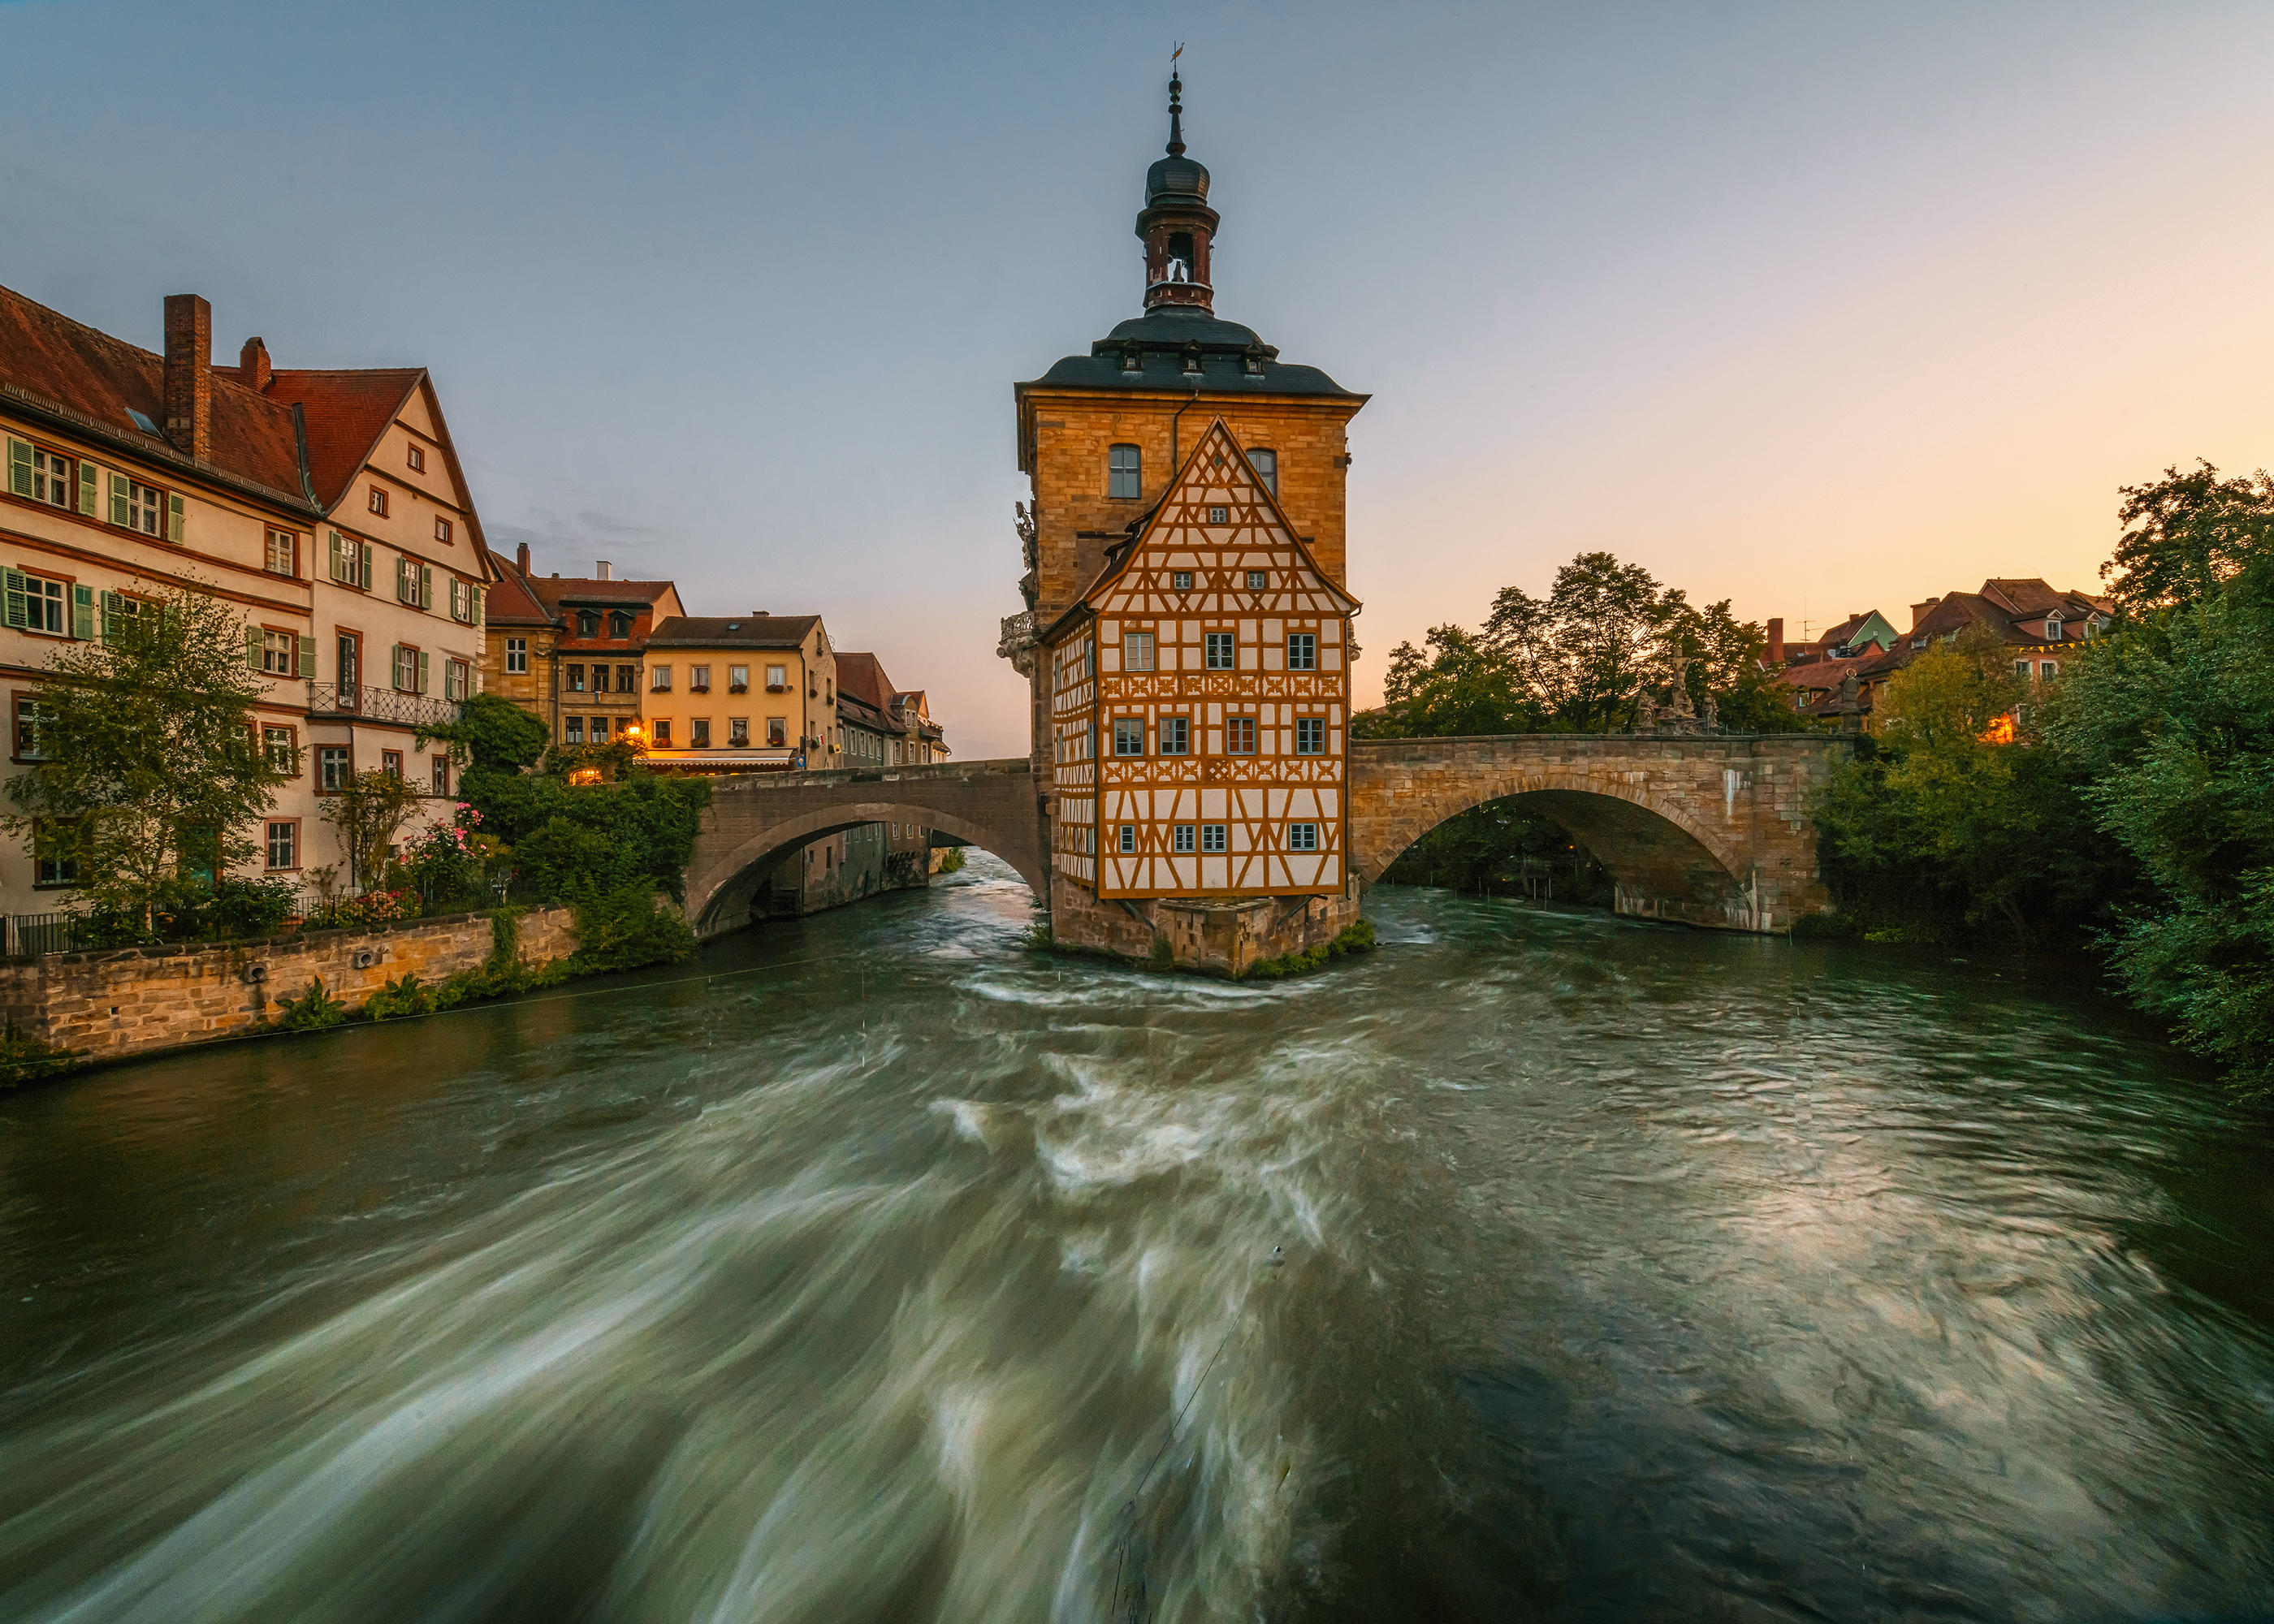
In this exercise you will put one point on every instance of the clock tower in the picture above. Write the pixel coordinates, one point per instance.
(1186, 622)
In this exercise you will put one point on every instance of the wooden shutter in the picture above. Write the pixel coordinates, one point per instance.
(480, 596)
(339, 563)
(252, 647)
(173, 517)
(425, 586)
(402, 578)
(364, 579)
(121, 488)
(20, 467)
(83, 612)
(11, 582)
(111, 618)
(422, 671)
(307, 666)
(89, 498)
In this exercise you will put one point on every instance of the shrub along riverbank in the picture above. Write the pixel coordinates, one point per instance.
(2131, 811)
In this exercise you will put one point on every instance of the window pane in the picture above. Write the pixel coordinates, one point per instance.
(1303, 652)
(1239, 735)
(1267, 468)
(1176, 735)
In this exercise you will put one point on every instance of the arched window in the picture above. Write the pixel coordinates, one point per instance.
(1124, 473)
(1267, 467)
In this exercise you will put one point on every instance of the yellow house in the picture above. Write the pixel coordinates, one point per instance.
(753, 693)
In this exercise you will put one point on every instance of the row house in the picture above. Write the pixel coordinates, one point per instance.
(329, 505)
(2039, 625)
(572, 650)
(747, 693)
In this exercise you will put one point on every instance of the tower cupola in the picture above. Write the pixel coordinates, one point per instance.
(1177, 227)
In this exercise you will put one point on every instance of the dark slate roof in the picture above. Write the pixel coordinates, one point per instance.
(1163, 338)
(745, 631)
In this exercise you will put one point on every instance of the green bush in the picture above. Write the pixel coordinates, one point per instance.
(628, 927)
(1355, 937)
(1164, 954)
(402, 995)
(312, 1011)
(24, 1058)
(950, 861)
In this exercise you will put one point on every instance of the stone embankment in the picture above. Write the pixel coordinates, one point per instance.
(111, 1004)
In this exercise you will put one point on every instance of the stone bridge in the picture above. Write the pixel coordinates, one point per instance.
(756, 819)
(1708, 829)
(1705, 829)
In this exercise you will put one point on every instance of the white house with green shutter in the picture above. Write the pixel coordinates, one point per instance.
(329, 505)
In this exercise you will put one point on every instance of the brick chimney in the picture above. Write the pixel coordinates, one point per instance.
(252, 368)
(520, 558)
(1918, 611)
(1776, 645)
(189, 374)
(604, 571)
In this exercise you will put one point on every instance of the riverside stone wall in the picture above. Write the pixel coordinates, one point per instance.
(107, 1004)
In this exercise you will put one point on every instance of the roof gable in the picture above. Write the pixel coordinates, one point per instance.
(47, 359)
(1183, 533)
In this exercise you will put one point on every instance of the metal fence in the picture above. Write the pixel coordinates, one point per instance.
(381, 704)
(30, 935)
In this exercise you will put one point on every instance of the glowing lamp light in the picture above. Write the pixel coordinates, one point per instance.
(2000, 731)
(584, 775)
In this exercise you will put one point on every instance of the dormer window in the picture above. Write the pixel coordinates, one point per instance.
(620, 625)
(1253, 362)
(588, 622)
(1192, 358)
(1133, 360)
(2052, 629)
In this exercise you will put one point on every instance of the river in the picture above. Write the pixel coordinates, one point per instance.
(1536, 1265)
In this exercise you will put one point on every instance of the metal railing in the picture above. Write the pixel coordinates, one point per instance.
(379, 704)
(31, 935)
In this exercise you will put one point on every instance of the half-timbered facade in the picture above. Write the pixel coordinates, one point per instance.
(1186, 627)
(1199, 721)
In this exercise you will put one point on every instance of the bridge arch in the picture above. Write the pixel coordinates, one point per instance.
(732, 879)
(757, 820)
(1705, 830)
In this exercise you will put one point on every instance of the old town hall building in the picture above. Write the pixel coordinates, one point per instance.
(1189, 626)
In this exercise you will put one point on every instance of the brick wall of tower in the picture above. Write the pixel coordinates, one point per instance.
(1071, 432)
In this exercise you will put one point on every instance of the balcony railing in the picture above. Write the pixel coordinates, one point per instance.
(379, 704)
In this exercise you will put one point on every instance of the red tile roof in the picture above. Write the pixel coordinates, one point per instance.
(863, 676)
(346, 412)
(550, 589)
(510, 603)
(48, 359)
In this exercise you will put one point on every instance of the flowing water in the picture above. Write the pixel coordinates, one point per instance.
(1536, 1265)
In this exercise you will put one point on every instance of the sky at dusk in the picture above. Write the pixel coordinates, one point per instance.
(1816, 309)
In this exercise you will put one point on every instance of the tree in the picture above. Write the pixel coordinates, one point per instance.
(367, 811)
(2172, 722)
(1952, 826)
(149, 755)
(2187, 535)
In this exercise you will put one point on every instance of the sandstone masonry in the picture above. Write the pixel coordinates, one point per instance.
(107, 1006)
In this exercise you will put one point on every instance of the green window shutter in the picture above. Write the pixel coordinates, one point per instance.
(425, 586)
(119, 486)
(308, 659)
(252, 647)
(364, 579)
(174, 519)
(89, 498)
(339, 563)
(83, 612)
(111, 616)
(400, 566)
(12, 582)
(481, 597)
(422, 671)
(20, 467)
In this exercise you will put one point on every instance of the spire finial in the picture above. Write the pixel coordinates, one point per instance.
(1176, 105)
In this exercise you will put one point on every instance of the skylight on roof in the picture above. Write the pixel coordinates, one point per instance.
(141, 422)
